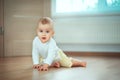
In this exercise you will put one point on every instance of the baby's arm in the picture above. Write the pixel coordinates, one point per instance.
(47, 62)
(52, 51)
(35, 56)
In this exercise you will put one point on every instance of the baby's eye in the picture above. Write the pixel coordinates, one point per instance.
(41, 30)
(47, 31)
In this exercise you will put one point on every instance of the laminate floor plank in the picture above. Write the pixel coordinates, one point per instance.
(98, 68)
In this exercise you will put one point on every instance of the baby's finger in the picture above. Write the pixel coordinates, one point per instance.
(34, 67)
(40, 69)
(38, 66)
(46, 70)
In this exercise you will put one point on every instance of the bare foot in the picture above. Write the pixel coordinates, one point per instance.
(83, 64)
(56, 64)
(78, 63)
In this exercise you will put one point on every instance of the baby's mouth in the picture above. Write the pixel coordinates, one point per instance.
(43, 38)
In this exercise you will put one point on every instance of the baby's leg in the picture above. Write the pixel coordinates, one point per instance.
(78, 63)
(56, 64)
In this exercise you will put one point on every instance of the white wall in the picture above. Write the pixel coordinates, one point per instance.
(99, 32)
(87, 32)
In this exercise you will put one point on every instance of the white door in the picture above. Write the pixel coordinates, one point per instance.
(1, 30)
(20, 19)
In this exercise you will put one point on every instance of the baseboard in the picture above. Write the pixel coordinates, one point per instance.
(108, 54)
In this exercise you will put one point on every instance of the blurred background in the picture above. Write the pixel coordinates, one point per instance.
(80, 25)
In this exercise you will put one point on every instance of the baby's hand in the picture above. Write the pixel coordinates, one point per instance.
(44, 67)
(36, 66)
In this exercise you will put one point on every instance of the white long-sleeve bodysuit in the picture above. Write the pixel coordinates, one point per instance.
(48, 51)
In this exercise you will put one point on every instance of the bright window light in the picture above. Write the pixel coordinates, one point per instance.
(113, 3)
(74, 5)
(85, 6)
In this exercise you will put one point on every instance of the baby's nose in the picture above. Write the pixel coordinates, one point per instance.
(44, 33)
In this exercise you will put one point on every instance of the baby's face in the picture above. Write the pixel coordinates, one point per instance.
(44, 32)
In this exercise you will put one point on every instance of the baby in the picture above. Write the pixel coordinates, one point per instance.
(45, 52)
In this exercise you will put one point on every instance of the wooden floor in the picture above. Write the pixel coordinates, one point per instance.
(98, 68)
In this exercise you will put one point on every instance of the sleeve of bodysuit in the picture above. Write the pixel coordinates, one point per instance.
(52, 51)
(35, 54)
